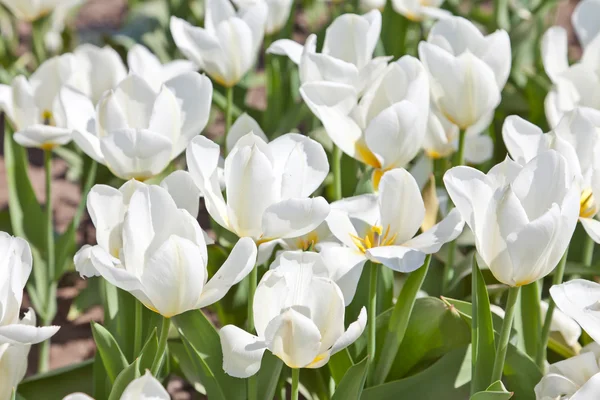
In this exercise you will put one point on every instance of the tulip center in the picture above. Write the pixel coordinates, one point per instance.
(308, 242)
(48, 118)
(587, 204)
(375, 237)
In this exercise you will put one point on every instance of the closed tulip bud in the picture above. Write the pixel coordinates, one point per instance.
(15, 270)
(417, 10)
(145, 387)
(278, 12)
(228, 45)
(136, 131)
(522, 217)
(267, 185)
(152, 248)
(299, 317)
(467, 69)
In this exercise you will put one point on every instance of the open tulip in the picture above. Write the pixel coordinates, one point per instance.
(386, 128)
(145, 64)
(34, 107)
(155, 250)
(227, 47)
(347, 55)
(578, 84)
(267, 185)
(577, 138)
(136, 131)
(467, 69)
(30, 10)
(522, 217)
(417, 10)
(15, 269)
(579, 299)
(299, 317)
(145, 387)
(381, 228)
(576, 378)
(277, 15)
(98, 69)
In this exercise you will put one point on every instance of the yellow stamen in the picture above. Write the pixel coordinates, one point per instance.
(48, 118)
(374, 238)
(309, 241)
(365, 155)
(587, 204)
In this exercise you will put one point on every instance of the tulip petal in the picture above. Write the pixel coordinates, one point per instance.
(522, 138)
(265, 251)
(287, 47)
(590, 390)
(243, 125)
(585, 21)
(592, 228)
(478, 149)
(398, 258)
(555, 52)
(398, 189)
(293, 217)
(443, 232)
(145, 387)
(184, 191)
(242, 352)
(302, 162)
(105, 205)
(42, 135)
(237, 266)
(25, 332)
(353, 332)
(345, 266)
(579, 299)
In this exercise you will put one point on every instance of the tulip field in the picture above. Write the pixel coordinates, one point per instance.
(319, 200)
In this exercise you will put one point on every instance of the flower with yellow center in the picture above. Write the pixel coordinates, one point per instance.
(299, 317)
(417, 10)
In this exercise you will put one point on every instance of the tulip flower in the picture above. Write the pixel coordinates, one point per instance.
(136, 131)
(267, 185)
(417, 10)
(277, 15)
(227, 47)
(13, 365)
(575, 378)
(31, 10)
(576, 137)
(15, 270)
(562, 324)
(386, 128)
(382, 229)
(292, 321)
(578, 84)
(98, 69)
(155, 250)
(146, 65)
(522, 217)
(347, 55)
(467, 69)
(145, 387)
(33, 105)
(579, 300)
(369, 5)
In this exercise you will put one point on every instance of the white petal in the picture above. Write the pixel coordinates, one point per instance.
(183, 190)
(443, 232)
(26, 334)
(579, 300)
(522, 139)
(293, 217)
(479, 149)
(399, 258)
(353, 332)
(42, 135)
(242, 352)
(555, 52)
(239, 264)
(145, 387)
(286, 47)
(563, 324)
(585, 21)
(592, 228)
(345, 265)
(105, 205)
(243, 125)
(590, 390)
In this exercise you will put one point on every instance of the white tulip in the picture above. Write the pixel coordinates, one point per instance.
(417, 10)
(151, 247)
(267, 185)
(468, 70)
(53, 39)
(585, 21)
(30, 10)
(228, 45)
(136, 131)
(523, 217)
(144, 63)
(33, 105)
(386, 128)
(577, 139)
(381, 228)
(15, 268)
(561, 323)
(145, 387)
(347, 55)
(299, 317)
(576, 378)
(277, 15)
(368, 5)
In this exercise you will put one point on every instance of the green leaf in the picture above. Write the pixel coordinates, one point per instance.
(496, 391)
(485, 348)
(148, 351)
(268, 375)
(178, 352)
(125, 377)
(339, 364)
(58, 383)
(442, 380)
(101, 383)
(351, 385)
(204, 345)
(112, 357)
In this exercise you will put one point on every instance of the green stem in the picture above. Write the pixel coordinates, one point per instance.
(137, 340)
(252, 385)
(543, 343)
(295, 382)
(44, 356)
(38, 45)
(588, 251)
(474, 319)
(162, 346)
(531, 318)
(459, 156)
(448, 267)
(502, 346)
(229, 110)
(372, 317)
(337, 173)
